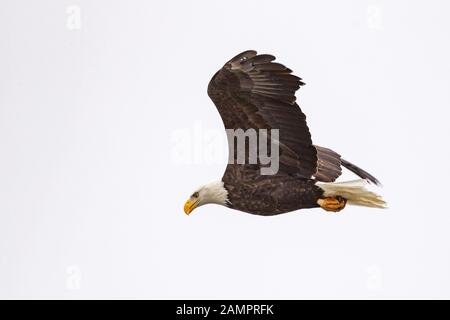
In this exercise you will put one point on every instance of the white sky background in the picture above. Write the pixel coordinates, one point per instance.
(91, 189)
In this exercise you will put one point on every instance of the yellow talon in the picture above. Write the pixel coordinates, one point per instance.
(334, 204)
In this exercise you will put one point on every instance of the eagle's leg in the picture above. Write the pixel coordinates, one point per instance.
(334, 204)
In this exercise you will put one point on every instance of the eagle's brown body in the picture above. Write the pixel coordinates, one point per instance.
(269, 195)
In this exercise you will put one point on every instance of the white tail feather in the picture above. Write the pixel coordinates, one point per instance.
(354, 191)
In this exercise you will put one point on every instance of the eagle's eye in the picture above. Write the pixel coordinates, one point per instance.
(194, 195)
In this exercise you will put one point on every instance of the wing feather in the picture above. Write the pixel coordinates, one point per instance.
(252, 91)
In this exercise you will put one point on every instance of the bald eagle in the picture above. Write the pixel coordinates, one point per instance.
(252, 91)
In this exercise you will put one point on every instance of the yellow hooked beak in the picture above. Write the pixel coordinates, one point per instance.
(190, 205)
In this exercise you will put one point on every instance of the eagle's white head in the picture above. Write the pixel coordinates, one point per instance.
(213, 192)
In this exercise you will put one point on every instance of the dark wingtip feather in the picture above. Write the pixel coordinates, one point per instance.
(360, 172)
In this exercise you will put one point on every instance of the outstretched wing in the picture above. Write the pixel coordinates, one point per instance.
(252, 91)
